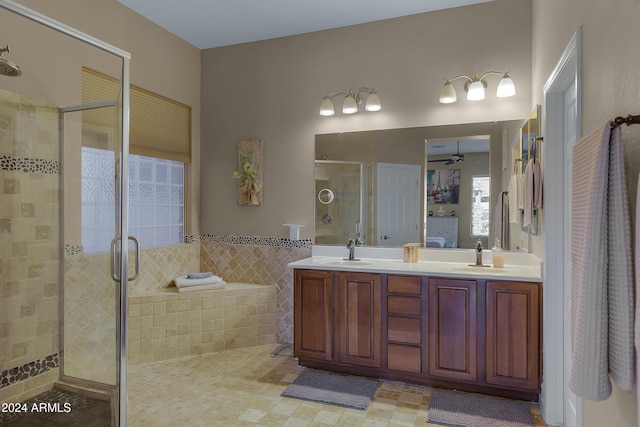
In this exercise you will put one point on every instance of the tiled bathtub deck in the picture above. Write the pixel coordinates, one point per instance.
(167, 325)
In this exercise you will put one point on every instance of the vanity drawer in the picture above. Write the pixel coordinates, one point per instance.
(404, 329)
(397, 304)
(403, 285)
(404, 358)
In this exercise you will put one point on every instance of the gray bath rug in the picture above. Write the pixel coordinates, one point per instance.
(332, 389)
(451, 408)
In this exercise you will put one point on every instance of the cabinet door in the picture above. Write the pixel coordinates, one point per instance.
(312, 314)
(452, 329)
(359, 319)
(513, 325)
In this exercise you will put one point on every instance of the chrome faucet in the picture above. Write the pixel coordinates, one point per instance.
(351, 245)
(479, 248)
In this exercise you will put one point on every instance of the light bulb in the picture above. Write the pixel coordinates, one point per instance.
(506, 87)
(326, 107)
(476, 91)
(349, 106)
(373, 102)
(448, 94)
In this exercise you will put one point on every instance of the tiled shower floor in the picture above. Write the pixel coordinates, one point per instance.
(81, 411)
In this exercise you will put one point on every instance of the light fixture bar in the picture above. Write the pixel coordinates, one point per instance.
(351, 101)
(475, 87)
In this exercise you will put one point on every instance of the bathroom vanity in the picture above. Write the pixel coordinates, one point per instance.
(438, 323)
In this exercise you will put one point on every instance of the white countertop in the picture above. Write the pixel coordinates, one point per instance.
(440, 263)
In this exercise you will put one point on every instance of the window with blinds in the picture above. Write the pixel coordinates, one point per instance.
(159, 126)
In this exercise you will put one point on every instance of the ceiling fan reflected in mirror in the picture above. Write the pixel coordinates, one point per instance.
(455, 158)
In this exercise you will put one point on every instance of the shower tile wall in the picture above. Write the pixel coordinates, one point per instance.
(29, 245)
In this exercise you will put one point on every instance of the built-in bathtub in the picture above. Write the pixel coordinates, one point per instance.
(165, 324)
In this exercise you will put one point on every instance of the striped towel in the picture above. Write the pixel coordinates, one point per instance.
(601, 275)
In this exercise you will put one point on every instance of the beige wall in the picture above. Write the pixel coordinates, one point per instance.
(272, 90)
(610, 82)
(51, 62)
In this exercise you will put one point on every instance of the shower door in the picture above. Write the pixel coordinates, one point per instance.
(94, 293)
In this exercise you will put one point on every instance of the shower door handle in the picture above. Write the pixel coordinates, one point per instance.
(136, 248)
(114, 261)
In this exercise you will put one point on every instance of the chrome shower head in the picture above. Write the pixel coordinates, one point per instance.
(8, 68)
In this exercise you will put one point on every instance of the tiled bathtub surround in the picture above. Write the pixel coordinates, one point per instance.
(258, 260)
(90, 295)
(159, 266)
(29, 237)
(168, 325)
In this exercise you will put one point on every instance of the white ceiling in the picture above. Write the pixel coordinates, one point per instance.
(213, 23)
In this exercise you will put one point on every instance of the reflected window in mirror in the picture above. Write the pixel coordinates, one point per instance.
(481, 197)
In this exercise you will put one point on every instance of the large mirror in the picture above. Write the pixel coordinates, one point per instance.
(436, 185)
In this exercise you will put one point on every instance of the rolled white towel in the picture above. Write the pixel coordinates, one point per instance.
(218, 285)
(183, 281)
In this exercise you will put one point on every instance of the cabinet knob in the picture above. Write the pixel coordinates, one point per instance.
(385, 237)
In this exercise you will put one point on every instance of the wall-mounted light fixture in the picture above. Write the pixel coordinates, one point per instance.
(352, 99)
(475, 86)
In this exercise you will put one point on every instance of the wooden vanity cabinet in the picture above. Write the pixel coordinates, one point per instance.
(452, 329)
(359, 316)
(404, 340)
(513, 334)
(473, 335)
(313, 314)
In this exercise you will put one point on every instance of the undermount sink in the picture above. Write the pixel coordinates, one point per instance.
(344, 262)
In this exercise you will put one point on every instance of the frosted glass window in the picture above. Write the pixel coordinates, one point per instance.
(156, 200)
(480, 206)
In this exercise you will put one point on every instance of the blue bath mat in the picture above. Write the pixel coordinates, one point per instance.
(332, 389)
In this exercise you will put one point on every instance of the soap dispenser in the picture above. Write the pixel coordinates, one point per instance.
(498, 255)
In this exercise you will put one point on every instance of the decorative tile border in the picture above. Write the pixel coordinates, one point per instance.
(70, 250)
(255, 240)
(28, 370)
(29, 165)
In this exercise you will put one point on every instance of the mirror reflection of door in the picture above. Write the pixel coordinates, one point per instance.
(398, 195)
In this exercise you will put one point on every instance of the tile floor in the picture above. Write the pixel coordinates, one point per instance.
(242, 388)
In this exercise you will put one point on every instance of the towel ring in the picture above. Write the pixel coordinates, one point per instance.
(325, 196)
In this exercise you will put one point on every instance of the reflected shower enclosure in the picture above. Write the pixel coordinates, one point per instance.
(343, 200)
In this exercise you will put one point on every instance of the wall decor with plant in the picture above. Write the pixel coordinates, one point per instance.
(249, 173)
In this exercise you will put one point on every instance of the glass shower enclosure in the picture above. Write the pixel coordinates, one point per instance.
(343, 200)
(62, 310)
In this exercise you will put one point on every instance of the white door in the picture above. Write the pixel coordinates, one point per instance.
(572, 406)
(562, 129)
(398, 195)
